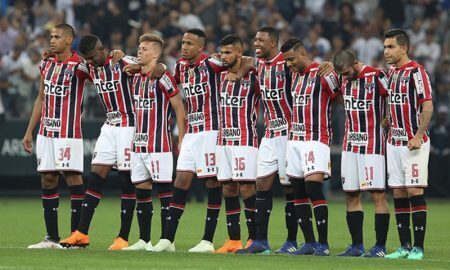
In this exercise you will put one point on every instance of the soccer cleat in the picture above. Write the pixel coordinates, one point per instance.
(415, 254)
(118, 244)
(353, 251)
(230, 246)
(76, 240)
(203, 246)
(164, 245)
(258, 246)
(249, 243)
(322, 250)
(400, 253)
(139, 245)
(306, 249)
(288, 247)
(376, 252)
(47, 243)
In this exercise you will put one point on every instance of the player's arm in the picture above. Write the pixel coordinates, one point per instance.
(247, 64)
(27, 141)
(177, 104)
(425, 117)
(326, 68)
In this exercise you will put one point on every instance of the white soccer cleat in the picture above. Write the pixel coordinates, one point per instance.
(47, 243)
(139, 245)
(203, 246)
(164, 245)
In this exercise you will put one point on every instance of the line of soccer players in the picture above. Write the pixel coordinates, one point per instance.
(219, 143)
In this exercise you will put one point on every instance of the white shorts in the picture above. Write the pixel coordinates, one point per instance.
(198, 154)
(236, 163)
(307, 158)
(113, 147)
(362, 172)
(272, 158)
(408, 168)
(55, 154)
(155, 166)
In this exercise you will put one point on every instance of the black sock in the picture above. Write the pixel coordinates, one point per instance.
(233, 212)
(355, 226)
(264, 205)
(91, 200)
(290, 219)
(303, 211)
(419, 219)
(249, 210)
(76, 198)
(164, 195)
(144, 211)
(402, 216)
(315, 193)
(176, 210)
(50, 202)
(381, 228)
(212, 214)
(127, 205)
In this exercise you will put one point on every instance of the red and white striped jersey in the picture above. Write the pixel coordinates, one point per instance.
(199, 82)
(239, 104)
(364, 101)
(114, 90)
(152, 105)
(409, 86)
(275, 83)
(312, 95)
(63, 97)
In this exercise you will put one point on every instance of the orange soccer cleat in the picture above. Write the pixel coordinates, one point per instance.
(249, 243)
(118, 244)
(76, 239)
(230, 246)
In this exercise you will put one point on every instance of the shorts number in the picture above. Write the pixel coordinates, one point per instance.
(157, 166)
(64, 153)
(127, 154)
(415, 170)
(309, 157)
(210, 159)
(369, 173)
(239, 164)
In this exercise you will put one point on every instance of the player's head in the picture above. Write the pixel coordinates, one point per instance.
(295, 54)
(231, 48)
(266, 41)
(150, 48)
(61, 38)
(92, 50)
(344, 63)
(396, 45)
(192, 43)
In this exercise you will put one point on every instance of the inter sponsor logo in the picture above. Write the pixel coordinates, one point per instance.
(272, 94)
(399, 134)
(106, 86)
(52, 124)
(114, 117)
(358, 138)
(231, 101)
(194, 90)
(353, 104)
(197, 118)
(55, 89)
(397, 98)
(231, 133)
(140, 139)
(143, 103)
(301, 100)
(298, 129)
(278, 124)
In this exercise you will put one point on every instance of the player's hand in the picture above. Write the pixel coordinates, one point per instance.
(116, 55)
(132, 69)
(415, 143)
(46, 54)
(325, 68)
(158, 71)
(232, 77)
(385, 123)
(27, 143)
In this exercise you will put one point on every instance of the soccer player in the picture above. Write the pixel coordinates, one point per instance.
(308, 147)
(364, 90)
(237, 149)
(275, 83)
(408, 148)
(59, 145)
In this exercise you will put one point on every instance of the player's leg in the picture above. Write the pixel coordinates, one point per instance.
(382, 217)
(165, 195)
(248, 194)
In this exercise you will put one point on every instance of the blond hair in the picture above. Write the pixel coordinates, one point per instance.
(152, 38)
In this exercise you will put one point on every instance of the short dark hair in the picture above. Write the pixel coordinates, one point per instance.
(232, 39)
(67, 28)
(400, 36)
(343, 59)
(292, 43)
(273, 33)
(87, 44)
(197, 32)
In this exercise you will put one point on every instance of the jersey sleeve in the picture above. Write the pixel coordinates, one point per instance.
(330, 84)
(383, 83)
(216, 64)
(169, 85)
(254, 77)
(82, 71)
(177, 74)
(422, 84)
(42, 67)
(129, 60)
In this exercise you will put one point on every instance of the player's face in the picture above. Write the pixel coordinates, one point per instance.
(263, 44)
(350, 73)
(294, 61)
(191, 46)
(229, 55)
(59, 41)
(147, 52)
(392, 51)
(96, 57)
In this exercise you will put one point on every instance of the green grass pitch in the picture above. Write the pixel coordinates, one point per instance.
(22, 224)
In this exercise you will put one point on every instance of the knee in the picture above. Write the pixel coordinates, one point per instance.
(126, 185)
(230, 189)
(263, 184)
(49, 181)
(73, 179)
(212, 183)
(353, 199)
(144, 185)
(314, 189)
(414, 192)
(247, 190)
(378, 197)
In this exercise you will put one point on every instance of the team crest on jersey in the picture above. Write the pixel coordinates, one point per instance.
(114, 67)
(369, 87)
(203, 70)
(191, 72)
(245, 83)
(404, 80)
(280, 75)
(310, 81)
(57, 69)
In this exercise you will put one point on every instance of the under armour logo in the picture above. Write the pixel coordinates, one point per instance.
(139, 211)
(73, 210)
(84, 204)
(321, 222)
(55, 209)
(288, 214)
(123, 211)
(299, 220)
(229, 224)
(208, 218)
(399, 225)
(419, 228)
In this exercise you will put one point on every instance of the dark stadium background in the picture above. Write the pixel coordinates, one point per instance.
(325, 27)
